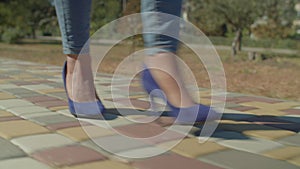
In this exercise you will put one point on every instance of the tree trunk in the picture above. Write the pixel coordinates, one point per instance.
(33, 33)
(237, 42)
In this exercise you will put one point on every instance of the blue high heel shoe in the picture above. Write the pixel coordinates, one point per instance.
(82, 109)
(197, 113)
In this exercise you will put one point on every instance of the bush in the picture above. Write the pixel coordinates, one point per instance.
(12, 35)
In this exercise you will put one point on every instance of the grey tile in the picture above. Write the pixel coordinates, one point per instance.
(291, 140)
(33, 143)
(253, 145)
(118, 143)
(234, 159)
(27, 110)
(25, 163)
(9, 150)
(19, 90)
(52, 119)
(10, 103)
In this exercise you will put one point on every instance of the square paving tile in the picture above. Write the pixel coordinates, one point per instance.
(253, 145)
(151, 132)
(8, 86)
(85, 132)
(18, 90)
(52, 119)
(291, 140)
(34, 143)
(92, 145)
(42, 98)
(20, 128)
(283, 153)
(24, 162)
(191, 147)
(117, 121)
(10, 103)
(171, 161)
(24, 95)
(58, 108)
(119, 143)
(9, 150)
(54, 90)
(243, 108)
(102, 164)
(143, 152)
(4, 113)
(269, 134)
(234, 159)
(295, 161)
(37, 87)
(69, 155)
(10, 118)
(64, 125)
(4, 96)
(53, 103)
(27, 110)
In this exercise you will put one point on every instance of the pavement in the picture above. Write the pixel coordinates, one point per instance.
(37, 131)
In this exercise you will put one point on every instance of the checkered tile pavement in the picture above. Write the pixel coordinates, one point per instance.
(37, 131)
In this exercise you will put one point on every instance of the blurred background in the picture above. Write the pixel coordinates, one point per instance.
(258, 41)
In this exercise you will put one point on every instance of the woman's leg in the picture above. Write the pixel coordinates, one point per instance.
(163, 48)
(74, 22)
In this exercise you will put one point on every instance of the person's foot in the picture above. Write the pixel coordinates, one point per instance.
(79, 79)
(164, 70)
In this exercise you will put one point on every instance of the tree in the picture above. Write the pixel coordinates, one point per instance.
(240, 15)
(104, 11)
(237, 14)
(276, 19)
(20, 18)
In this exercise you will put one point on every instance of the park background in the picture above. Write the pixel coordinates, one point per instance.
(258, 41)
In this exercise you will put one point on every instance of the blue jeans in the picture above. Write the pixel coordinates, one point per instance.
(74, 21)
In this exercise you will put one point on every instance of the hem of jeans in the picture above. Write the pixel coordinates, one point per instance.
(74, 51)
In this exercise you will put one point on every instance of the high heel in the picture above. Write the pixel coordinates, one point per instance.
(197, 113)
(82, 109)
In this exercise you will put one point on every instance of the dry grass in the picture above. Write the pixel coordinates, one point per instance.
(276, 77)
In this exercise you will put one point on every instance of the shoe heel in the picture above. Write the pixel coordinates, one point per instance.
(156, 107)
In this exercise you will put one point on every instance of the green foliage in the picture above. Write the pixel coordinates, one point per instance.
(12, 35)
(25, 16)
(103, 12)
(211, 16)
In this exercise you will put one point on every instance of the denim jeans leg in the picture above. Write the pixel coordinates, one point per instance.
(74, 22)
(161, 25)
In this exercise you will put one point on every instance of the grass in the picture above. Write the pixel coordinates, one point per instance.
(263, 43)
(276, 77)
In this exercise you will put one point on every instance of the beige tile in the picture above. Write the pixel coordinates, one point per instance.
(11, 129)
(5, 114)
(80, 134)
(269, 134)
(272, 106)
(58, 108)
(4, 96)
(55, 90)
(266, 112)
(191, 147)
(295, 160)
